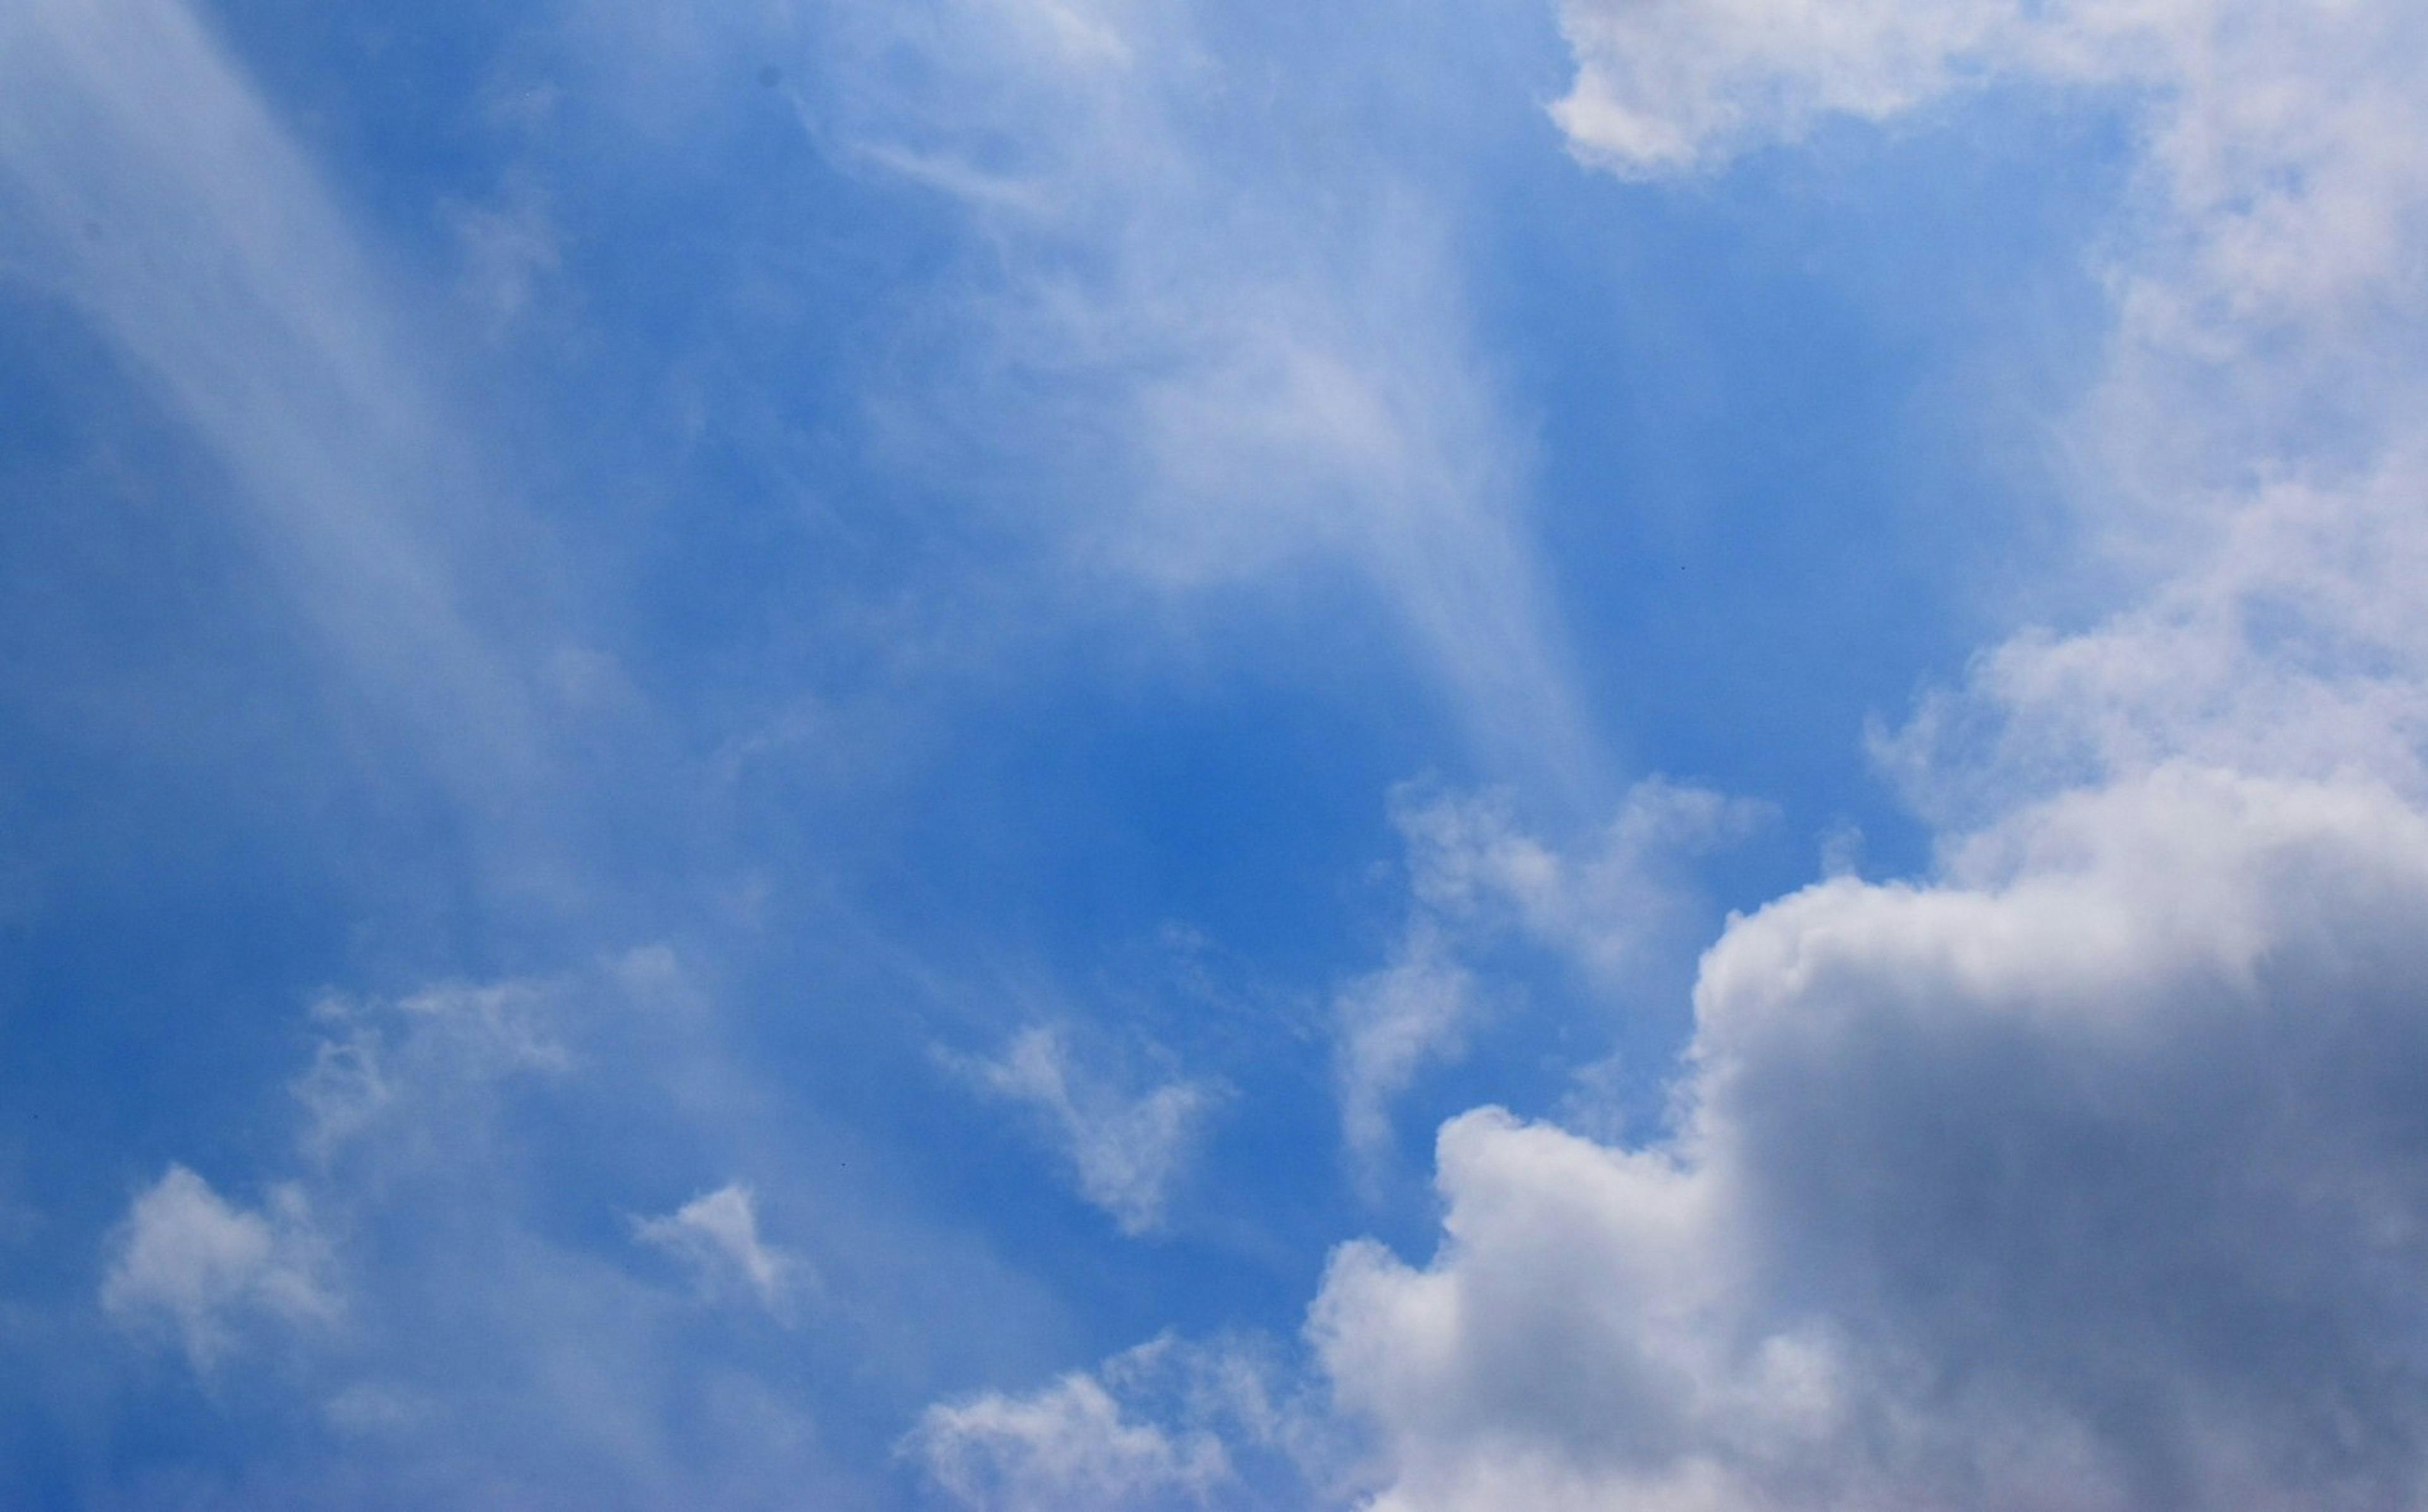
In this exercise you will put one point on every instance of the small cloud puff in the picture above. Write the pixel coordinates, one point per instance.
(186, 1259)
(1140, 1432)
(1125, 1148)
(716, 1234)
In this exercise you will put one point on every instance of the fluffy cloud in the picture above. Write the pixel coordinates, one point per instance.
(2280, 149)
(1066, 1446)
(717, 1234)
(187, 1258)
(1125, 1148)
(1166, 1424)
(2089, 1176)
(471, 1347)
(1665, 85)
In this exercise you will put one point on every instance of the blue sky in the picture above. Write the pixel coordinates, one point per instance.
(1136, 753)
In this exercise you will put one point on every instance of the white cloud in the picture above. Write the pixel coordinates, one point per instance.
(1125, 1148)
(1603, 903)
(187, 1258)
(1474, 875)
(717, 1234)
(2088, 1177)
(1146, 1429)
(488, 1345)
(1065, 1447)
(1669, 85)
(1389, 1024)
(2268, 278)
(1244, 374)
(420, 1056)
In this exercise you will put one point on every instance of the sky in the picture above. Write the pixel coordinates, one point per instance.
(1082, 755)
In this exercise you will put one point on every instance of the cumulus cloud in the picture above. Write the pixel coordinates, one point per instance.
(1125, 1148)
(186, 1259)
(2088, 1177)
(717, 1235)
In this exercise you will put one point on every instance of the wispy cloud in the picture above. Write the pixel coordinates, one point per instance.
(414, 1059)
(1126, 1148)
(1259, 377)
(1475, 877)
(154, 192)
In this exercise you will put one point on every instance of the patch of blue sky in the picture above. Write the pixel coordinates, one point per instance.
(838, 523)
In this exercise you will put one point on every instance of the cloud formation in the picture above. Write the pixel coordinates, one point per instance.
(1166, 1424)
(187, 1260)
(716, 1233)
(2079, 1172)
(133, 153)
(1263, 373)
(1125, 1148)
(2085, 1177)
(1066, 1446)
(1476, 876)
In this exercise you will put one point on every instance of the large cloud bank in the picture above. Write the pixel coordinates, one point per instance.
(2088, 1177)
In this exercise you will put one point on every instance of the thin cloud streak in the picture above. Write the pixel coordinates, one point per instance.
(156, 193)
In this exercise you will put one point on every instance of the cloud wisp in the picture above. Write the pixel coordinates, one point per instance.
(1476, 877)
(1125, 1148)
(155, 191)
(1166, 1424)
(1261, 377)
